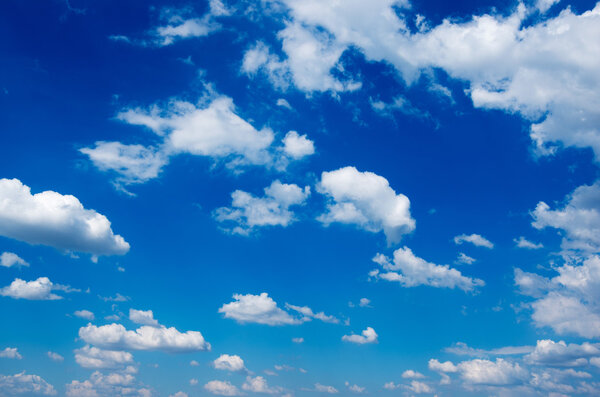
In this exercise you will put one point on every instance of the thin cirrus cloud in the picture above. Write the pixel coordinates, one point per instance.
(60, 221)
(545, 71)
(366, 200)
(248, 212)
(262, 309)
(411, 271)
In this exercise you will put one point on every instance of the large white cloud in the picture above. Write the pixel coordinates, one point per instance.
(92, 357)
(116, 337)
(248, 212)
(228, 362)
(411, 271)
(544, 68)
(40, 289)
(366, 200)
(57, 220)
(24, 384)
(548, 352)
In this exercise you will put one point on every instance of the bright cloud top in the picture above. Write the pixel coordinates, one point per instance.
(40, 289)
(367, 336)
(366, 200)
(228, 362)
(57, 220)
(9, 259)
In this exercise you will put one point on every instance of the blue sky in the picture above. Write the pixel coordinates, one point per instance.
(299, 198)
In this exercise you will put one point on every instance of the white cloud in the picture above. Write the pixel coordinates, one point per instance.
(485, 372)
(543, 68)
(445, 367)
(85, 314)
(367, 336)
(474, 239)
(548, 352)
(419, 387)
(522, 242)
(194, 363)
(29, 385)
(462, 349)
(364, 302)
(143, 317)
(133, 163)
(179, 394)
(57, 220)
(309, 314)
(298, 340)
(325, 389)
(221, 388)
(259, 384)
(566, 315)
(366, 200)
(579, 219)
(115, 336)
(10, 352)
(355, 388)
(260, 309)
(55, 357)
(228, 362)
(193, 382)
(8, 259)
(40, 289)
(464, 259)
(284, 103)
(92, 357)
(297, 146)
(248, 212)
(107, 385)
(410, 374)
(411, 271)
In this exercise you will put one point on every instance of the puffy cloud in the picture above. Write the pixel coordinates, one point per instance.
(446, 367)
(367, 336)
(55, 357)
(325, 389)
(40, 289)
(112, 384)
(579, 219)
(542, 68)
(260, 309)
(419, 387)
(411, 271)
(211, 128)
(366, 200)
(57, 220)
(485, 372)
(259, 384)
(221, 388)
(364, 302)
(566, 314)
(410, 374)
(548, 352)
(115, 336)
(355, 388)
(464, 259)
(229, 363)
(143, 317)
(9, 259)
(10, 352)
(86, 314)
(522, 242)
(25, 384)
(297, 146)
(474, 239)
(248, 212)
(92, 357)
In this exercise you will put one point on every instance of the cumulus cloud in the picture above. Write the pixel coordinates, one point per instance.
(410, 374)
(85, 314)
(10, 352)
(366, 200)
(153, 338)
(60, 221)
(307, 313)
(355, 388)
(228, 362)
(92, 357)
(484, 372)
(298, 340)
(419, 387)
(543, 69)
(367, 336)
(9, 259)
(522, 242)
(411, 271)
(209, 128)
(464, 259)
(143, 317)
(25, 384)
(325, 389)
(248, 212)
(258, 384)
(474, 239)
(55, 357)
(40, 289)
(550, 353)
(111, 384)
(221, 388)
